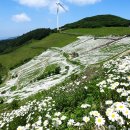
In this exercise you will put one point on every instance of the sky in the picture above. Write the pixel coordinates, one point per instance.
(20, 16)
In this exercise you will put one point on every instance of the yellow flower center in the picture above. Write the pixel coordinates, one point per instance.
(87, 119)
(113, 115)
(99, 120)
(121, 107)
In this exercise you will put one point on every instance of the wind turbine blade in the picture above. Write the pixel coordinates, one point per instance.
(62, 6)
(57, 16)
(57, 8)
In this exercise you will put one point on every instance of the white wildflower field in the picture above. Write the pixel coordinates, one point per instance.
(82, 86)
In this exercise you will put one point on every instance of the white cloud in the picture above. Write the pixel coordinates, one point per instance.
(21, 18)
(34, 3)
(83, 2)
(51, 4)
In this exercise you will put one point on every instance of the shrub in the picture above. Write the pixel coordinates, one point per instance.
(0, 79)
(14, 104)
(1, 100)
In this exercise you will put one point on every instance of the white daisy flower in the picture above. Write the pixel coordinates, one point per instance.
(20, 128)
(120, 107)
(63, 118)
(119, 90)
(45, 123)
(113, 116)
(128, 99)
(120, 120)
(85, 105)
(94, 113)
(57, 114)
(86, 119)
(126, 112)
(99, 121)
(108, 102)
(70, 122)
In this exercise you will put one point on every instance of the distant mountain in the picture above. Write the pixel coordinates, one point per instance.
(99, 21)
(15, 42)
(11, 38)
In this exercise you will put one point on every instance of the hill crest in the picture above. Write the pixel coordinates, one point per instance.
(99, 21)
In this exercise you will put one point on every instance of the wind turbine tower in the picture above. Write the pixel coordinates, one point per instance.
(59, 5)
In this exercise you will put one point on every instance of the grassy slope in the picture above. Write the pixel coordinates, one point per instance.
(100, 31)
(35, 48)
(69, 101)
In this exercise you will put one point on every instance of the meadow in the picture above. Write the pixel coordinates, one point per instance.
(95, 99)
(104, 31)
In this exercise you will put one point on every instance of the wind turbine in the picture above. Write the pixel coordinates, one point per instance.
(59, 5)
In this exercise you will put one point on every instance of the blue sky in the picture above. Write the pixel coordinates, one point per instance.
(20, 16)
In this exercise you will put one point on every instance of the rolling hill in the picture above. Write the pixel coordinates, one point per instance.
(99, 21)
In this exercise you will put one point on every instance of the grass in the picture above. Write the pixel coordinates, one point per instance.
(34, 48)
(50, 70)
(116, 31)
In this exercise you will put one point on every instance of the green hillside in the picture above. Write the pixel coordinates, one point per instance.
(12, 44)
(104, 31)
(99, 21)
(34, 48)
